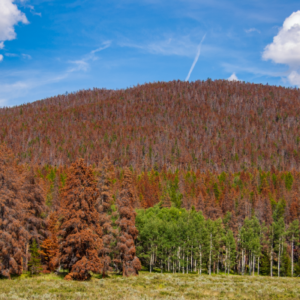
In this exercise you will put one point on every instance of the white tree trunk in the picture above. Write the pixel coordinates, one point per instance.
(178, 260)
(243, 262)
(187, 264)
(229, 261)
(200, 266)
(250, 262)
(271, 257)
(226, 260)
(192, 259)
(271, 264)
(292, 257)
(279, 253)
(210, 253)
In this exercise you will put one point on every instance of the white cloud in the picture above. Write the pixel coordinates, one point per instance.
(285, 48)
(1, 45)
(82, 64)
(26, 56)
(10, 15)
(252, 30)
(179, 46)
(25, 82)
(11, 55)
(37, 14)
(286, 44)
(233, 77)
(253, 70)
(23, 55)
(1, 57)
(33, 11)
(294, 78)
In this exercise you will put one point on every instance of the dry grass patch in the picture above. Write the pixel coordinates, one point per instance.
(152, 286)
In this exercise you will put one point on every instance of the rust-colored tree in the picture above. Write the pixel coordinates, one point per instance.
(50, 247)
(149, 190)
(34, 196)
(80, 232)
(104, 207)
(212, 209)
(13, 234)
(129, 262)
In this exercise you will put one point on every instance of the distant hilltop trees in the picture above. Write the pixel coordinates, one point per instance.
(207, 125)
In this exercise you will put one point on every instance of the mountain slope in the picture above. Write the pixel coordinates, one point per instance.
(211, 125)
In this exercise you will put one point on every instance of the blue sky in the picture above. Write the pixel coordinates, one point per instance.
(49, 47)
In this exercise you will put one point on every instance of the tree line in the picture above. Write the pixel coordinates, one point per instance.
(177, 240)
(243, 194)
(98, 218)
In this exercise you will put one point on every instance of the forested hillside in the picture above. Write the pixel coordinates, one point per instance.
(182, 177)
(211, 125)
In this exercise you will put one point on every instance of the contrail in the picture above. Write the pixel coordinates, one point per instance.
(196, 59)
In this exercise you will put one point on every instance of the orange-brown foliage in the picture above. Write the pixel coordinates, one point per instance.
(50, 247)
(214, 125)
(80, 231)
(22, 203)
(130, 264)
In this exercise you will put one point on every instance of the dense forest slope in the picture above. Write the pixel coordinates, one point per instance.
(184, 177)
(212, 125)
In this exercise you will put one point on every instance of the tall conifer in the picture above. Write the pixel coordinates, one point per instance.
(13, 234)
(50, 247)
(80, 231)
(104, 207)
(128, 233)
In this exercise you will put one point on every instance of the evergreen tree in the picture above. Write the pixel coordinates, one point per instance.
(34, 196)
(104, 207)
(130, 264)
(14, 236)
(49, 247)
(80, 232)
(34, 264)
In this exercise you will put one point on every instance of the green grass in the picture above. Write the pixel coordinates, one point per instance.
(152, 286)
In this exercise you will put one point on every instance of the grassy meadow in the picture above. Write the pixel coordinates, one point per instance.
(152, 286)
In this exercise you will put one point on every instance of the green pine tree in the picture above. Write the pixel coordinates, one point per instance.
(34, 264)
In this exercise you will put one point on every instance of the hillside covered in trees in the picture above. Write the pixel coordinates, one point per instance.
(206, 125)
(184, 177)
